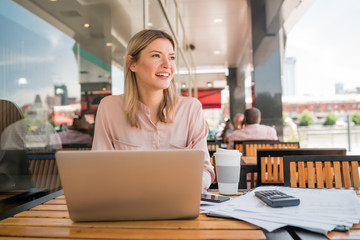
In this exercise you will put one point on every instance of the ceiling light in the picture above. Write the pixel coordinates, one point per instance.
(183, 85)
(52, 0)
(216, 52)
(86, 25)
(108, 44)
(209, 84)
(218, 20)
(150, 24)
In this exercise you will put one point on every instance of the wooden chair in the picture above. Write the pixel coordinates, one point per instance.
(239, 145)
(43, 169)
(250, 147)
(270, 165)
(212, 146)
(214, 184)
(9, 114)
(328, 171)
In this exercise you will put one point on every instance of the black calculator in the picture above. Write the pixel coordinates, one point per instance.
(276, 198)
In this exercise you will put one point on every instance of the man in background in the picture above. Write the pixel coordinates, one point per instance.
(252, 129)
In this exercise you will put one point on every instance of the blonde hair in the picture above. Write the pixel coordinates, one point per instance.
(131, 95)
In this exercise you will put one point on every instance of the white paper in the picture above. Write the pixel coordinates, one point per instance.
(320, 210)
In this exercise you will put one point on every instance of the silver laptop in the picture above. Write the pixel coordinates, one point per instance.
(131, 185)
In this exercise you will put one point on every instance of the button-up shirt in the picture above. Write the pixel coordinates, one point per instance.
(188, 130)
(252, 132)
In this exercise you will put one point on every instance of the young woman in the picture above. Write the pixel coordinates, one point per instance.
(149, 115)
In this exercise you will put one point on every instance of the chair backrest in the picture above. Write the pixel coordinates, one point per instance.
(250, 148)
(9, 113)
(270, 164)
(212, 146)
(327, 171)
(239, 145)
(43, 169)
(76, 147)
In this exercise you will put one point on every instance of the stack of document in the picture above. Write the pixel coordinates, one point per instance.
(320, 210)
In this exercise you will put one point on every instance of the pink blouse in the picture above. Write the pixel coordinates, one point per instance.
(187, 131)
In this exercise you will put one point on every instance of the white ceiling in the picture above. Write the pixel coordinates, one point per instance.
(226, 37)
(110, 22)
(198, 17)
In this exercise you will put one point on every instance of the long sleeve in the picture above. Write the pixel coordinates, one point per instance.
(198, 131)
(102, 138)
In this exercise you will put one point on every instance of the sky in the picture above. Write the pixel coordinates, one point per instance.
(326, 45)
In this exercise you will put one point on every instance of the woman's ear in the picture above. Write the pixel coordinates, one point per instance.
(131, 63)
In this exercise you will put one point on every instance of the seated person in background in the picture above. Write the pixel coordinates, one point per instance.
(238, 121)
(252, 129)
(227, 131)
(78, 133)
(32, 132)
(150, 115)
(230, 127)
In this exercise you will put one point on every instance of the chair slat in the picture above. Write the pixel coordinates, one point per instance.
(301, 175)
(254, 149)
(281, 169)
(355, 173)
(293, 182)
(275, 169)
(310, 175)
(269, 170)
(337, 175)
(328, 175)
(263, 169)
(319, 175)
(346, 174)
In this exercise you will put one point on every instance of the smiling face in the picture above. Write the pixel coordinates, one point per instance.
(155, 67)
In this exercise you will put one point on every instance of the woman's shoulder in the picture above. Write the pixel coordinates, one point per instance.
(188, 105)
(189, 101)
(111, 99)
(111, 102)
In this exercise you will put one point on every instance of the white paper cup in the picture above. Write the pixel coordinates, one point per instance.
(228, 166)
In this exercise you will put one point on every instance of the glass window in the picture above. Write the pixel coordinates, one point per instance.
(38, 73)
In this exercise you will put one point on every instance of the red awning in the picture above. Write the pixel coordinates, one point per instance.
(209, 97)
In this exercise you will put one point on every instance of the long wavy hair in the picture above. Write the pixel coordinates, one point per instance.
(131, 96)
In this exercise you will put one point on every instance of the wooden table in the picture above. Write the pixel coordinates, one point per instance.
(249, 159)
(50, 220)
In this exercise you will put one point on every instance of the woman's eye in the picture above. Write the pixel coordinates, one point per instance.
(172, 58)
(156, 55)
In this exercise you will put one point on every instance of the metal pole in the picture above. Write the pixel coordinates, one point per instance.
(349, 132)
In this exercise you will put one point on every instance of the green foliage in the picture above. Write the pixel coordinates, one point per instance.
(356, 117)
(330, 118)
(306, 118)
(284, 116)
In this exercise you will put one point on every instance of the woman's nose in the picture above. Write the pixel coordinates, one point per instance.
(166, 63)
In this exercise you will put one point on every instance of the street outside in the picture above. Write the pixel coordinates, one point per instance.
(319, 136)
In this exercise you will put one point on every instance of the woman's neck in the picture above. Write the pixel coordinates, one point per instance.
(152, 100)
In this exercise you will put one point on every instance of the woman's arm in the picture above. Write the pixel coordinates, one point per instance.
(102, 138)
(198, 140)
